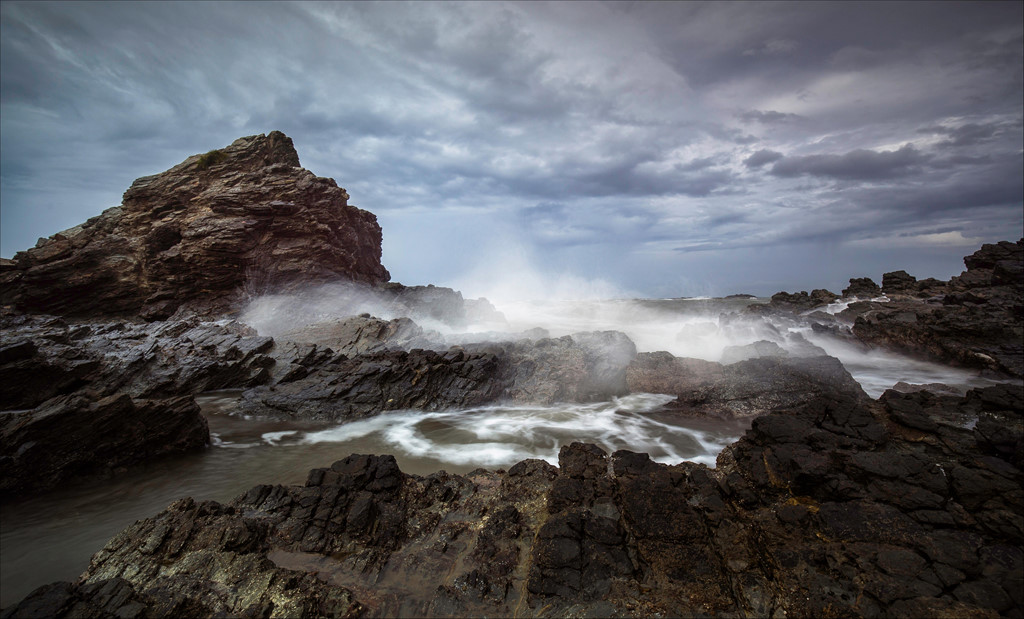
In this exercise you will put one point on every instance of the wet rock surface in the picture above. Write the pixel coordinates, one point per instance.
(742, 389)
(85, 398)
(583, 367)
(85, 435)
(241, 220)
(905, 506)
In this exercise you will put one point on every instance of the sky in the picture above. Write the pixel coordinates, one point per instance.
(589, 149)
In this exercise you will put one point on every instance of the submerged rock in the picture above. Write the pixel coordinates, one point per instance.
(835, 507)
(244, 219)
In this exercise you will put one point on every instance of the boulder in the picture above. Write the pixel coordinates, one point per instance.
(240, 220)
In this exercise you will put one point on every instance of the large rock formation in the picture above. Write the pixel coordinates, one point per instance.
(245, 218)
(908, 506)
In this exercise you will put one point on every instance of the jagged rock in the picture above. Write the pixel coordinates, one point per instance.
(863, 287)
(898, 282)
(86, 435)
(438, 303)
(105, 396)
(802, 301)
(244, 219)
(582, 367)
(836, 507)
(361, 334)
(50, 356)
(742, 389)
(367, 384)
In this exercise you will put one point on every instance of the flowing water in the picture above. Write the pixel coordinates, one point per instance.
(51, 537)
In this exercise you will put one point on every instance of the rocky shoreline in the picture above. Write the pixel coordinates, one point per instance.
(832, 504)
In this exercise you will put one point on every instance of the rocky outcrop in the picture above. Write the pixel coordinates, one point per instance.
(978, 323)
(80, 399)
(801, 301)
(743, 389)
(350, 388)
(908, 506)
(583, 367)
(46, 356)
(356, 335)
(242, 219)
(899, 282)
(862, 287)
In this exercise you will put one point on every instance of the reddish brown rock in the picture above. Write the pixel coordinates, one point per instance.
(242, 219)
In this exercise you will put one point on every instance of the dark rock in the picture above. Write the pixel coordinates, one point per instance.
(78, 435)
(203, 233)
(834, 507)
(980, 323)
(802, 301)
(361, 334)
(583, 367)
(756, 350)
(862, 287)
(743, 389)
(899, 282)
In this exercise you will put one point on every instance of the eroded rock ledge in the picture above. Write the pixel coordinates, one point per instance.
(905, 506)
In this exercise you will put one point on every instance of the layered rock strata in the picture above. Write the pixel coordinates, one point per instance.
(240, 220)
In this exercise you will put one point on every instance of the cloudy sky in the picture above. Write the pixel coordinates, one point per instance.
(660, 149)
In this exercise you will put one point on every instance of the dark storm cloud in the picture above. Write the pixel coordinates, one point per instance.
(860, 164)
(762, 157)
(965, 135)
(711, 126)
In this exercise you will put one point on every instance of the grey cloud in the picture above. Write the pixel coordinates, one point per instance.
(762, 157)
(965, 135)
(858, 165)
(773, 47)
(768, 117)
(466, 117)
